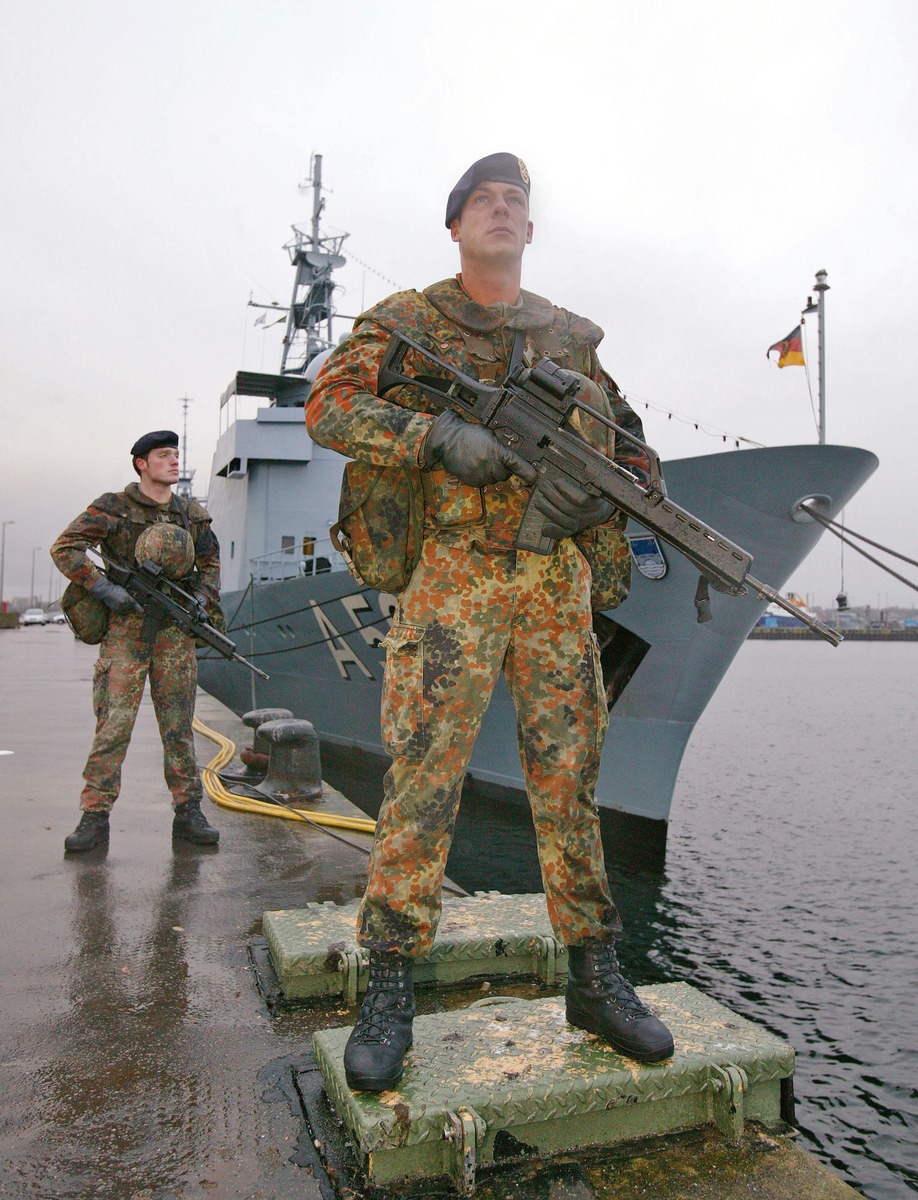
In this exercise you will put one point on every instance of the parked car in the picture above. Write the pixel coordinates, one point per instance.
(34, 616)
(57, 618)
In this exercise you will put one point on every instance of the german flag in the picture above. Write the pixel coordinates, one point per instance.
(790, 350)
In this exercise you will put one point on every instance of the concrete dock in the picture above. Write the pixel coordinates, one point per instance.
(139, 1059)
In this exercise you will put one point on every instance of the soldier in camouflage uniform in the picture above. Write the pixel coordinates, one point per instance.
(115, 522)
(475, 606)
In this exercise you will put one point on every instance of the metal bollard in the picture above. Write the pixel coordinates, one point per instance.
(295, 766)
(255, 757)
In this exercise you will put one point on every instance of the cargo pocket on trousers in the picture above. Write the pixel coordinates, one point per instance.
(404, 730)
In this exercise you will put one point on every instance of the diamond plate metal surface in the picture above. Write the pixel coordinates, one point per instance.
(315, 953)
(517, 1066)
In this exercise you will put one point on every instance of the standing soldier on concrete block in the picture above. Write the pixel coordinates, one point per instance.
(144, 522)
(471, 605)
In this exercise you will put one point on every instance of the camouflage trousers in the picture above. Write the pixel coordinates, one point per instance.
(467, 614)
(124, 664)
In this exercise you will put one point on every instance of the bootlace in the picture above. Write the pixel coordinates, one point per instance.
(387, 1003)
(608, 974)
(378, 1015)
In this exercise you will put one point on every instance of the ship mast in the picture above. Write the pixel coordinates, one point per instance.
(184, 487)
(820, 287)
(309, 319)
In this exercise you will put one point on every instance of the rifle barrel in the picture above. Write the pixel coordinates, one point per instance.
(832, 636)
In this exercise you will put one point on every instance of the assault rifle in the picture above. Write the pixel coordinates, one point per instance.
(163, 600)
(531, 412)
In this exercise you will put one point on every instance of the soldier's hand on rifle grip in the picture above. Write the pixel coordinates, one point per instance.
(114, 597)
(471, 453)
(569, 508)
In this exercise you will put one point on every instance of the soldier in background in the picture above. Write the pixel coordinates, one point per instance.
(146, 519)
(470, 606)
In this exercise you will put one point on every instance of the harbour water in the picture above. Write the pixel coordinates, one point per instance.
(789, 888)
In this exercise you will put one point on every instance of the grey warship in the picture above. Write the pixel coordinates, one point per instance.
(293, 607)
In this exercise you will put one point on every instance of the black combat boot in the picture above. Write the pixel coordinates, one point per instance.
(91, 831)
(190, 824)
(374, 1054)
(600, 999)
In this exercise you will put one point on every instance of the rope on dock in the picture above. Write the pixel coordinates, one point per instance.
(326, 822)
(221, 795)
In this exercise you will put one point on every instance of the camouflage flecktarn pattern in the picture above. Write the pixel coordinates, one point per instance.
(114, 522)
(345, 414)
(122, 668)
(467, 613)
(475, 606)
(117, 519)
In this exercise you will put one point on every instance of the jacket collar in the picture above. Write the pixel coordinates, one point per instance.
(451, 299)
(133, 492)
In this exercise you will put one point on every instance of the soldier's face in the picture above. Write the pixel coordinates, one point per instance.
(494, 225)
(161, 465)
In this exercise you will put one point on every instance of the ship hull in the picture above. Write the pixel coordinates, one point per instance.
(318, 637)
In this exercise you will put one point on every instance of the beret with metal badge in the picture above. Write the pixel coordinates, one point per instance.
(495, 168)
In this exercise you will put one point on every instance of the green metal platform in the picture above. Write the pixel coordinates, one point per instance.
(509, 1076)
(490, 935)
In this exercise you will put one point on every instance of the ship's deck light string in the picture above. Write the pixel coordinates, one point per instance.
(379, 275)
(699, 426)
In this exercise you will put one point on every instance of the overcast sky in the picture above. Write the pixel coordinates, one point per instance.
(693, 166)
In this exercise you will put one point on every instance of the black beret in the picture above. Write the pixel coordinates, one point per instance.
(496, 168)
(153, 441)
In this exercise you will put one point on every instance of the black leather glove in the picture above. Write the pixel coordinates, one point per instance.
(470, 452)
(114, 597)
(201, 601)
(569, 508)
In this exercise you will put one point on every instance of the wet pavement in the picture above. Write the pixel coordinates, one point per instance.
(138, 1059)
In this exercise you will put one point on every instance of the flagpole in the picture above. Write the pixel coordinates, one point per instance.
(821, 287)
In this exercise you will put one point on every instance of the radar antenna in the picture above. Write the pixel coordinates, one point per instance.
(309, 318)
(184, 486)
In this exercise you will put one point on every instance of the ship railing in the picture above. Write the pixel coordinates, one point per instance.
(292, 562)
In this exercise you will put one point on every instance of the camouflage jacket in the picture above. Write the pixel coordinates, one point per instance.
(116, 520)
(345, 413)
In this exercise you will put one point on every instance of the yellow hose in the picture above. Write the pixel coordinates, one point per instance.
(213, 785)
